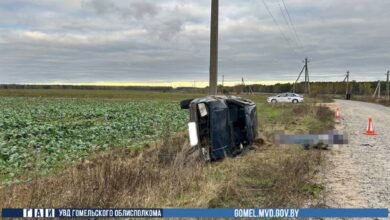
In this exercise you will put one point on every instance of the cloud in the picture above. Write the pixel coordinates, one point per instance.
(164, 30)
(136, 9)
(168, 40)
(100, 6)
(154, 19)
(141, 9)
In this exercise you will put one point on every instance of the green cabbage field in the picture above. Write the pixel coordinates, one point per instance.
(46, 133)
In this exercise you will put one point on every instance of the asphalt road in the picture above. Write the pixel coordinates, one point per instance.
(357, 175)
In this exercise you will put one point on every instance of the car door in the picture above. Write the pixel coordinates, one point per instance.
(289, 97)
(280, 98)
(285, 97)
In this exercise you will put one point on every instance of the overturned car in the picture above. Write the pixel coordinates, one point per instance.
(221, 126)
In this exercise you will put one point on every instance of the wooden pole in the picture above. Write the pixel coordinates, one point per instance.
(243, 85)
(214, 48)
(307, 78)
(388, 85)
(347, 90)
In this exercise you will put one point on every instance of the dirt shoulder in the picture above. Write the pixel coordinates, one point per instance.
(358, 174)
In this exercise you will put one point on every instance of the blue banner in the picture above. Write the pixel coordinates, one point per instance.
(196, 213)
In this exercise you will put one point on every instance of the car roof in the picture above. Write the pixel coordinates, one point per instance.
(289, 93)
(292, 93)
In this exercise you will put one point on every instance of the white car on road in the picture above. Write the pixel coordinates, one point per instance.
(286, 97)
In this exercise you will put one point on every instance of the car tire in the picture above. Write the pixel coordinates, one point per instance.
(274, 101)
(295, 101)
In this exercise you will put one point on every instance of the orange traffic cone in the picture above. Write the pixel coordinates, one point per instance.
(337, 113)
(370, 128)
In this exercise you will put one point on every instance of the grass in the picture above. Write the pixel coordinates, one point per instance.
(362, 98)
(166, 173)
(383, 101)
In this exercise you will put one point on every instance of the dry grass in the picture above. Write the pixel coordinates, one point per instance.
(269, 177)
(277, 177)
(169, 174)
(383, 101)
(120, 178)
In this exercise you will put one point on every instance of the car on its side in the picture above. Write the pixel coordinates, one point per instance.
(286, 97)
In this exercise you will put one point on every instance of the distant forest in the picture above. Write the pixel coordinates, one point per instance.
(317, 88)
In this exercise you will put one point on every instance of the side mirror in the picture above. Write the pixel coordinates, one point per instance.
(185, 104)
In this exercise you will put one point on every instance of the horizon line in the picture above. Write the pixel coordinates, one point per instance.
(193, 84)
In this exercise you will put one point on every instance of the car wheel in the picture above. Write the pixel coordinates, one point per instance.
(295, 101)
(274, 101)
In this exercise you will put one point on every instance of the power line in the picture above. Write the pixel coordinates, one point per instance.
(292, 24)
(288, 23)
(283, 14)
(280, 29)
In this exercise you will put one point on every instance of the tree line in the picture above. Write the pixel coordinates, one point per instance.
(317, 88)
(87, 87)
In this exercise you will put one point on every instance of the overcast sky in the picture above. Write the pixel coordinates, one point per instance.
(43, 41)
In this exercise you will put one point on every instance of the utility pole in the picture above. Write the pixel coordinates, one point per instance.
(378, 90)
(250, 91)
(347, 78)
(214, 48)
(296, 81)
(307, 79)
(388, 85)
(243, 85)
